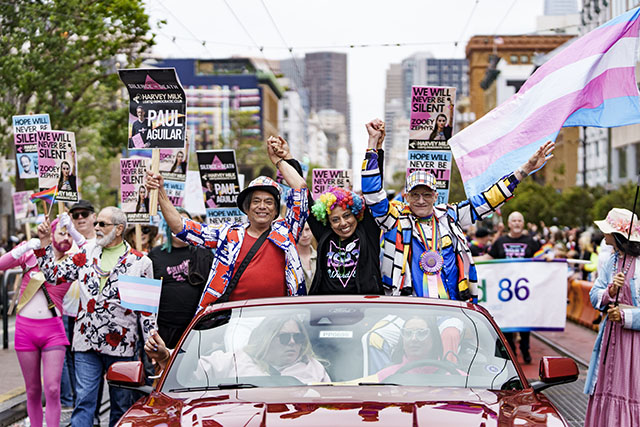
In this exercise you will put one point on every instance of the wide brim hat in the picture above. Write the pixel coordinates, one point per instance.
(618, 221)
(418, 178)
(263, 183)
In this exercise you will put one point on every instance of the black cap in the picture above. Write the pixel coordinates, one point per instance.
(82, 204)
(482, 232)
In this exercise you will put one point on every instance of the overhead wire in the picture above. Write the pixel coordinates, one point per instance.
(260, 48)
(204, 43)
(284, 42)
(295, 60)
(465, 27)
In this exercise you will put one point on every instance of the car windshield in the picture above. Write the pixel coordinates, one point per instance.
(342, 344)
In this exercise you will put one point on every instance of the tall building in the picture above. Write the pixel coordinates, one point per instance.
(393, 88)
(607, 157)
(326, 81)
(292, 120)
(219, 89)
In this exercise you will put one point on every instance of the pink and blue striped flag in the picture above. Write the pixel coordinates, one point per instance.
(590, 83)
(139, 293)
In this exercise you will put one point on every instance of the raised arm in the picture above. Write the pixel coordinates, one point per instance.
(169, 212)
(46, 261)
(478, 206)
(278, 151)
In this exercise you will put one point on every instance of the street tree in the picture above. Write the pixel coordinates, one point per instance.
(60, 57)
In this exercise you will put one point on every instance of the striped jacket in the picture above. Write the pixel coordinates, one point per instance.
(398, 225)
(226, 239)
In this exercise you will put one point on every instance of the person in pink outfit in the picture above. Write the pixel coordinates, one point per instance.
(39, 335)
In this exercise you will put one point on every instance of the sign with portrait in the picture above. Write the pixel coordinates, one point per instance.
(220, 185)
(24, 210)
(431, 127)
(57, 163)
(134, 195)
(157, 108)
(25, 139)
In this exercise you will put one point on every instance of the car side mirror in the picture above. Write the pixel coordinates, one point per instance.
(129, 375)
(554, 371)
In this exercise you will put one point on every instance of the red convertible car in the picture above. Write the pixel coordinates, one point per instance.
(338, 361)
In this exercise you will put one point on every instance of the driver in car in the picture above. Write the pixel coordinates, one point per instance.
(419, 350)
(277, 347)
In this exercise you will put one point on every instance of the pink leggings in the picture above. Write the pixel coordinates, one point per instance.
(39, 340)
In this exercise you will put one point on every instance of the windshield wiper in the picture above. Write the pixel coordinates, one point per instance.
(222, 386)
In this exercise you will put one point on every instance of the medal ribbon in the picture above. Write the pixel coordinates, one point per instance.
(432, 280)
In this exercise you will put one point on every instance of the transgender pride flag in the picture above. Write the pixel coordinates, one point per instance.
(139, 293)
(590, 83)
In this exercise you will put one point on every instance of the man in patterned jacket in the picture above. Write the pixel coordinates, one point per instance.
(425, 251)
(104, 332)
(275, 269)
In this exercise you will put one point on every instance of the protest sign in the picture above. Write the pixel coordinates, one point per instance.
(323, 179)
(219, 180)
(57, 163)
(175, 192)
(173, 164)
(193, 199)
(24, 209)
(133, 193)
(157, 108)
(24, 137)
(524, 294)
(431, 126)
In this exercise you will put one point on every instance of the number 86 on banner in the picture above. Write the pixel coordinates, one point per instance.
(507, 290)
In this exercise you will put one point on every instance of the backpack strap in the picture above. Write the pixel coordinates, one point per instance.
(245, 262)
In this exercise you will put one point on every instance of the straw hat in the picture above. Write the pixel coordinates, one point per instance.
(618, 221)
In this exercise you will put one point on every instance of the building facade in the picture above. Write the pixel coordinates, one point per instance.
(607, 157)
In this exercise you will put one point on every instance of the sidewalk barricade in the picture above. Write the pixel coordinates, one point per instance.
(579, 308)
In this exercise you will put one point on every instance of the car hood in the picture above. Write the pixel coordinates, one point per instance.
(344, 405)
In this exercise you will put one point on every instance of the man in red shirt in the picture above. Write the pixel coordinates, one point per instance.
(274, 268)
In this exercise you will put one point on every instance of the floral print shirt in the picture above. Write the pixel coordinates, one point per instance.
(102, 325)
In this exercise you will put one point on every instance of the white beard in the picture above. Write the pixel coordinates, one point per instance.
(105, 240)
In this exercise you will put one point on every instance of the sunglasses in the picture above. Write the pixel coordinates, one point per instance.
(102, 224)
(285, 337)
(416, 334)
(145, 230)
(83, 214)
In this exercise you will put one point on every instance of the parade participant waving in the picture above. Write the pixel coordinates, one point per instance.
(425, 251)
(105, 332)
(254, 259)
(613, 385)
(348, 260)
(40, 337)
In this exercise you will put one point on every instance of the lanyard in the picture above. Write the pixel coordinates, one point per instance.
(434, 235)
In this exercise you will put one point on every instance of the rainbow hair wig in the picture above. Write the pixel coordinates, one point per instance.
(337, 197)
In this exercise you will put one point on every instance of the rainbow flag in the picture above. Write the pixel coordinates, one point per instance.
(47, 196)
(589, 83)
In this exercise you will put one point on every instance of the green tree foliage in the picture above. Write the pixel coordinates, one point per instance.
(621, 198)
(60, 57)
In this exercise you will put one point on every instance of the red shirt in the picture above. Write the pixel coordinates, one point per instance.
(264, 276)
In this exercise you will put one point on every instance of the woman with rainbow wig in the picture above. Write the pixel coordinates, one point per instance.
(348, 252)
